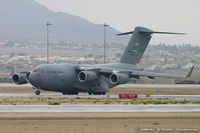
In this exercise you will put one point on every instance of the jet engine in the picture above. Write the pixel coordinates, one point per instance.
(87, 76)
(119, 78)
(19, 78)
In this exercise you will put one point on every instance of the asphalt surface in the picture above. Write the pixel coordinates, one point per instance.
(111, 96)
(85, 95)
(160, 86)
(99, 108)
(14, 85)
(177, 86)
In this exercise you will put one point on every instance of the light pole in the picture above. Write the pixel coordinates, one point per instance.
(48, 24)
(105, 25)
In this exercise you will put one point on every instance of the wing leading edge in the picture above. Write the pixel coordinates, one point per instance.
(135, 73)
(152, 75)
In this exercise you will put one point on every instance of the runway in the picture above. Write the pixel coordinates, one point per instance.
(14, 85)
(112, 96)
(99, 108)
(160, 86)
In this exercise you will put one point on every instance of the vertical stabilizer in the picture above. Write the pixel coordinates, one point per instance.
(136, 46)
(138, 43)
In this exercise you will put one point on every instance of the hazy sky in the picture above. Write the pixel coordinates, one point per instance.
(124, 15)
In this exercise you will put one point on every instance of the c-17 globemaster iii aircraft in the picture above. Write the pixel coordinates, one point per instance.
(71, 79)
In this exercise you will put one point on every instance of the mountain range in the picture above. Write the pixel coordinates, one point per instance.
(26, 20)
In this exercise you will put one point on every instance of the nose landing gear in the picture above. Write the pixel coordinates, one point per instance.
(37, 92)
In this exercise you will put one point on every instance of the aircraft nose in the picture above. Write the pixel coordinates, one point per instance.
(33, 79)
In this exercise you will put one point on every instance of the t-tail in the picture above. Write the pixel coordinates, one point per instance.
(138, 43)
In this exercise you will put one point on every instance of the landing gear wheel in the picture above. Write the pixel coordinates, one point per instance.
(103, 93)
(90, 93)
(37, 92)
(96, 93)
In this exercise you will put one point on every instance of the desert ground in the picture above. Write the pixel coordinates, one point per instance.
(99, 122)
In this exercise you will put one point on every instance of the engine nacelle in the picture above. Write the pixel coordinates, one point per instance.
(19, 78)
(27, 76)
(119, 78)
(87, 76)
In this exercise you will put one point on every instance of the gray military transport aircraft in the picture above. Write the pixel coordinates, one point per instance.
(71, 79)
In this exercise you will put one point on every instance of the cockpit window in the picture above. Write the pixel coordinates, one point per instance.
(36, 70)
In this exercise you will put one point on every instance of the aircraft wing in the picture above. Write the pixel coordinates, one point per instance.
(137, 74)
(152, 75)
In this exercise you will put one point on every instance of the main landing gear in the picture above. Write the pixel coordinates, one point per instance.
(70, 93)
(97, 93)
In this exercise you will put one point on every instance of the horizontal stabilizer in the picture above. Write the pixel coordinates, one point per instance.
(126, 33)
(157, 32)
(151, 32)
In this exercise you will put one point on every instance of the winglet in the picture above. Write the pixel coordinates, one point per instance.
(190, 72)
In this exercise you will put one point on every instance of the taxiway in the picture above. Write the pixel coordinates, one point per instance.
(99, 108)
(85, 95)
(177, 86)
